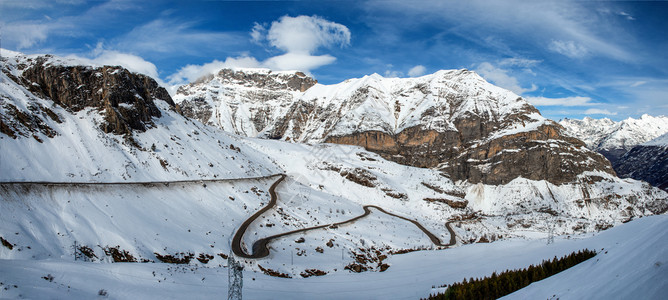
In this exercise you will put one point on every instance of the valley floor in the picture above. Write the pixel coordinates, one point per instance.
(632, 262)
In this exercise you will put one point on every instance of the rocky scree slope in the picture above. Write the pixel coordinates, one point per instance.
(61, 120)
(451, 120)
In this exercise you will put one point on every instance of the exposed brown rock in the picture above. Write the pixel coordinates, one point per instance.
(126, 98)
(465, 157)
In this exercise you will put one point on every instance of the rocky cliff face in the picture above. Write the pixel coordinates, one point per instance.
(124, 99)
(451, 120)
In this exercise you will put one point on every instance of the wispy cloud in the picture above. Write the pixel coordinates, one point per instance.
(167, 36)
(25, 34)
(535, 23)
(598, 111)
(568, 48)
(36, 29)
(627, 16)
(565, 101)
(416, 71)
(502, 78)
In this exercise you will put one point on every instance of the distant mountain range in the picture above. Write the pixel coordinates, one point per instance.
(636, 147)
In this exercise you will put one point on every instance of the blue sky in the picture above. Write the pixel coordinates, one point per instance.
(570, 59)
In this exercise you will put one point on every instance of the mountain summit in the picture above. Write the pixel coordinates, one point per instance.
(452, 120)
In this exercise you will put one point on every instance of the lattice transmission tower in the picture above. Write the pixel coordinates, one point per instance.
(235, 278)
(550, 235)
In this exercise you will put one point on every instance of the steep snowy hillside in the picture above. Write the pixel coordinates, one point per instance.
(65, 122)
(631, 263)
(613, 139)
(647, 161)
(451, 120)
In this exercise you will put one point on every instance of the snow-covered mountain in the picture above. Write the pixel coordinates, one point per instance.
(66, 128)
(613, 139)
(636, 147)
(61, 121)
(647, 161)
(453, 120)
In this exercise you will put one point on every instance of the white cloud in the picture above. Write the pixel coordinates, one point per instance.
(416, 71)
(598, 111)
(501, 78)
(131, 62)
(24, 35)
(191, 73)
(305, 34)
(627, 16)
(258, 33)
(298, 61)
(164, 36)
(568, 48)
(392, 74)
(638, 83)
(566, 101)
(299, 37)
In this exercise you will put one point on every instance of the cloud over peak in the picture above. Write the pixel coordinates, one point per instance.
(299, 37)
(303, 34)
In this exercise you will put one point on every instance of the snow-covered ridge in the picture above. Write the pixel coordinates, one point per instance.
(370, 103)
(605, 134)
(659, 141)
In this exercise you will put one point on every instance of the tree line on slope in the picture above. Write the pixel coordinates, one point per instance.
(509, 281)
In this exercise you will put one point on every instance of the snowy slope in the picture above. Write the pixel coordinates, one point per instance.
(659, 141)
(633, 266)
(605, 134)
(631, 263)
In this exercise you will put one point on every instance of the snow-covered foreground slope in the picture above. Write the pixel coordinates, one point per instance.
(631, 264)
(326, 184)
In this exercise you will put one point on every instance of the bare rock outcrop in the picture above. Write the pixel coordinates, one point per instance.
(126, 99)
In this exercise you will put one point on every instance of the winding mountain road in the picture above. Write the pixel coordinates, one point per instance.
(261, 250)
